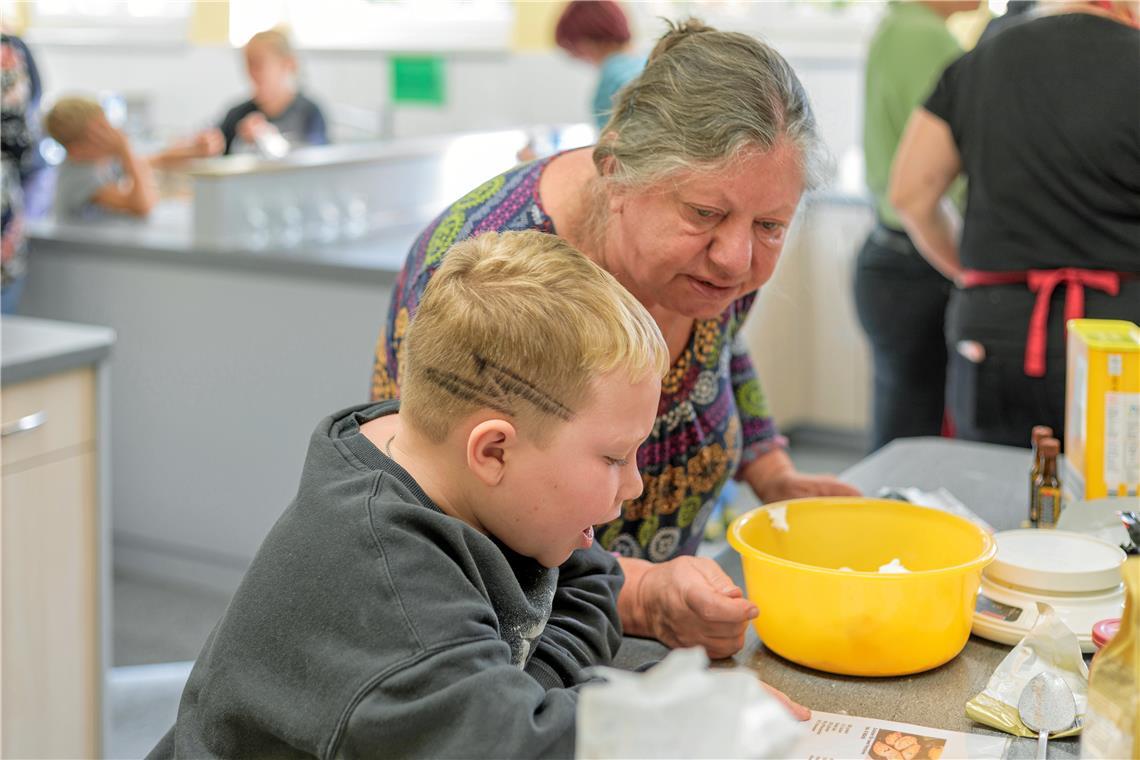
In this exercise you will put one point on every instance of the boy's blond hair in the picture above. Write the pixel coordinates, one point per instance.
(67, 121)
(520, 322)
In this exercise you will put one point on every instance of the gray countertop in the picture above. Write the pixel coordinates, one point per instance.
(167, 237)
(31, 348)
(991, 481)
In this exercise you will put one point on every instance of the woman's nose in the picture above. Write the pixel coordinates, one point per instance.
(731, 250)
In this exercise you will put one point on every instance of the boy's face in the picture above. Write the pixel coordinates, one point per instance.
(553, 495)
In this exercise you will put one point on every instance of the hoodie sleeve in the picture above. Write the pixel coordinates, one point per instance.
(584, 628)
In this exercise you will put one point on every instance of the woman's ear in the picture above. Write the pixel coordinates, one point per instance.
(487, 446)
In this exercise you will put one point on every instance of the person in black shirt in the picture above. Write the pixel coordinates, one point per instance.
(1044, 120)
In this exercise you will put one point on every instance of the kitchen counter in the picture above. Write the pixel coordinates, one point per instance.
(991, 481)
(167, 236)
(31, 348)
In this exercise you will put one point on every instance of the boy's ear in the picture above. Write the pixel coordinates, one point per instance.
(487, 446)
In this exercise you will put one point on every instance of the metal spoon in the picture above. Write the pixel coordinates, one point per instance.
(1046, 706)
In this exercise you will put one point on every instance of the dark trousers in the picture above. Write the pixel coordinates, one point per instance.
(990, 397)
(901, 303)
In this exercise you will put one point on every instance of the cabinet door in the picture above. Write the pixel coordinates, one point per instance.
(51, 639)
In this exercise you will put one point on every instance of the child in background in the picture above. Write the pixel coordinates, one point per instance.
(434, 589)
(101, 169)
(278, 109)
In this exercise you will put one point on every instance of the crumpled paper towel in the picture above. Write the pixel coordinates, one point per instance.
(681, 709)
(1048, 647)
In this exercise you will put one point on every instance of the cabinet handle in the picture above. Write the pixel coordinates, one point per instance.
(24, 424)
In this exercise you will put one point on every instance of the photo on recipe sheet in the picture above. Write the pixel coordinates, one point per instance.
(896, 745)
(831, 736)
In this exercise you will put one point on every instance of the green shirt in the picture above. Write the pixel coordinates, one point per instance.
(910, 49)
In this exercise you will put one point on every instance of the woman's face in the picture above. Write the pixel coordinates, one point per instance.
(268, 70)
(695, 243)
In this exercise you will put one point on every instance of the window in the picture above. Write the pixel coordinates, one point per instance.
(143, 22)
(397, 25)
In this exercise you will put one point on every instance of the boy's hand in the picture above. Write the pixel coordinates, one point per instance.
(798, 711)
(105, 138)
(688, 601)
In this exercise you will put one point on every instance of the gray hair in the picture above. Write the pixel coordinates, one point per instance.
(705, 96)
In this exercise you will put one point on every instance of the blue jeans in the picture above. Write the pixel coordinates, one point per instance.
(10, 296)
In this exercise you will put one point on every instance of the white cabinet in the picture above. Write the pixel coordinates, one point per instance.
(52, 639)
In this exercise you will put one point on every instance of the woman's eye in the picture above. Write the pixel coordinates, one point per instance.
(773, 230)
(703, 213)
(617, 462)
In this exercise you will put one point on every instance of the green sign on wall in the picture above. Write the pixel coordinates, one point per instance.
(417, 80)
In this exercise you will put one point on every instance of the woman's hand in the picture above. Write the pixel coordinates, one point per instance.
(798, 485)
(774, 478)
(687, 601)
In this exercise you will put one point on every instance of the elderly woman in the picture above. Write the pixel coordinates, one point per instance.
(1044, 120)
(686, 200)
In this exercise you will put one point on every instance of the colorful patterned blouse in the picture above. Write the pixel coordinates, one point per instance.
(712, 417)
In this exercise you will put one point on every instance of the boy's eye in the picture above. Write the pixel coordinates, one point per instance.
(617, 462)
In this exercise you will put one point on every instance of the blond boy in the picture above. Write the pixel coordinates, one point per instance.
(434, 589)
(101, 169)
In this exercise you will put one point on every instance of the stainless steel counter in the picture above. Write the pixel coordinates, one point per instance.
(167, 236)
(990, 480)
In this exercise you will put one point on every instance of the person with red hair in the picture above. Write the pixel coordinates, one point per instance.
(596, 31)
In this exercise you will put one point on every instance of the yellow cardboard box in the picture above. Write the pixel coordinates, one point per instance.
(1102, 410)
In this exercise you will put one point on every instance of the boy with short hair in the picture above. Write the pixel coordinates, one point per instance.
(434, 590)
(101, 170)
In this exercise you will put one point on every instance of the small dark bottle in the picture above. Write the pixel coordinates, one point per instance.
(1047, 486)
(1040, 432)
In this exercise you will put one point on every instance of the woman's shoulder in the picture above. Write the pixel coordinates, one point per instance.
(505, 203)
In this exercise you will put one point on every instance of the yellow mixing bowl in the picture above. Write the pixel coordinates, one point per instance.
(859, 621)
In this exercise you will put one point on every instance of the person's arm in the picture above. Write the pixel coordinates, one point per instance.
(465, 699)
(925, 165)
(136, 193)
(316, 130)
(583, 629)
(208, 142)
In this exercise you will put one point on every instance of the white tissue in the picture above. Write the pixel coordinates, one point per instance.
(681, 709)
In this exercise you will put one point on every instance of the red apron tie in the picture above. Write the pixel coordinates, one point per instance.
(1043, 282)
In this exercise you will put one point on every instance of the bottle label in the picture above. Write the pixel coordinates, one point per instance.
(1048, 506)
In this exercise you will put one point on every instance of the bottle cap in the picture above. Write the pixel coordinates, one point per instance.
(1049, 447)
(1039, 432)
(1104, 630)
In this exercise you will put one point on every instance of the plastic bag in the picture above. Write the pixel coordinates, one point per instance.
(1048, 647)
(681, 709)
